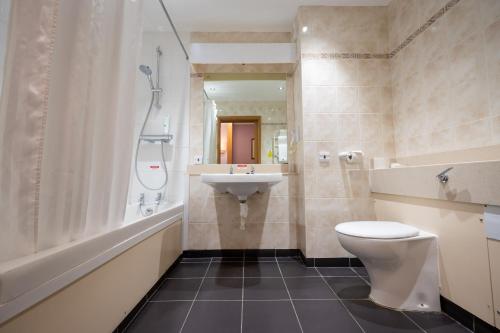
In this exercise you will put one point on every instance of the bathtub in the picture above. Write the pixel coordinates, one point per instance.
(30, 279)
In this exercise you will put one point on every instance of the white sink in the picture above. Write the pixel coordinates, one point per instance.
(241, 185)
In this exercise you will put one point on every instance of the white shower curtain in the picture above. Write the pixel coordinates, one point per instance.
(66, 118)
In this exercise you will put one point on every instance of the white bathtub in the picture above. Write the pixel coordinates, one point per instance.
(28, 280)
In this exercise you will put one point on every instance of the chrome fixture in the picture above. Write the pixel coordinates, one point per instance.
(158, 198)
(173, 28)
(165, 138)
(252, 169)
(147, 71)
(158, 90)
(141, 199)
(443, 177)
(231, 170)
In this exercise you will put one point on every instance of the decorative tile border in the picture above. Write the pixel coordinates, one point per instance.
(406, 42)
(424, 27)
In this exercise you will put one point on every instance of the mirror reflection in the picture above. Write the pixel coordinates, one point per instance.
(245, 120)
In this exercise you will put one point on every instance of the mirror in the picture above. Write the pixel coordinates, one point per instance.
(245, 119)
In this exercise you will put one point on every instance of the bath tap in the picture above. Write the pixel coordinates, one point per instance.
(141, 199)
(158, 198)
(252, 169)
(231, 170)
(443, 177)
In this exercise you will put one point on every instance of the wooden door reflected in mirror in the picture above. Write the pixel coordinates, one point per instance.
(238, 139)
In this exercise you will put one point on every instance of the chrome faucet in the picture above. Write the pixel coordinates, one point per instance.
(231, 170)
(141, 199)
(252, 169)
(443, 177)
(158, 198)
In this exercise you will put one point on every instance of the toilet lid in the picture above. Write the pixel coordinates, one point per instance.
(377, 229)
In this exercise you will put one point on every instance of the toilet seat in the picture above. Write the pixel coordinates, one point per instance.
(377, 229)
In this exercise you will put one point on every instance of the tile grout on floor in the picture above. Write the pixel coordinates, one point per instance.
(341, 302)
(289, 296)
(195, 296)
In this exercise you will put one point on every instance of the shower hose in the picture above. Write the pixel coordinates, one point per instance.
(138, 148)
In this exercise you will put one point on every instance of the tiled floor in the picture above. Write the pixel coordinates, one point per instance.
(267, 294)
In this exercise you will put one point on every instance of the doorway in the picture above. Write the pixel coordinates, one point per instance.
(238, 139)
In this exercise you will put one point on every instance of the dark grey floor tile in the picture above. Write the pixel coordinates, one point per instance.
(177, 290)
(216, 317)
(336, 271)
(436, 322)
(325, 316)
(290, 269)
(261, 259)
(189, 270)
(290, 259)
(308, 288)
(361, 271)
(264, 269)
(374, 318)
(349, 287)
(221, 289)
(265, 289)
(225, 269)
(160, 317)
(227, 259)
(269, 317)
(196, 260)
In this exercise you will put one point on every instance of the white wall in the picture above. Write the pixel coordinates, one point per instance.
(4, 23)
(174, 79)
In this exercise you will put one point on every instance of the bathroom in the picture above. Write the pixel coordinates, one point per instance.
(250, 166)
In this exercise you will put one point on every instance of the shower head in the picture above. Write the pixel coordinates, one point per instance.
(146, 70)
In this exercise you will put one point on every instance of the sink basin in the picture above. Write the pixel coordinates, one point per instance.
(241, 185)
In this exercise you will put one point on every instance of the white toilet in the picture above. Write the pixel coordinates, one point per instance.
(401, 260)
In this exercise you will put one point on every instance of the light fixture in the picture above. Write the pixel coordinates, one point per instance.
(304, 29)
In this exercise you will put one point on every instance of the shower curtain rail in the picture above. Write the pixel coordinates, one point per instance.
(173, 28)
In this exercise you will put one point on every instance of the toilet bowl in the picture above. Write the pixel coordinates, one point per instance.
(401, 260)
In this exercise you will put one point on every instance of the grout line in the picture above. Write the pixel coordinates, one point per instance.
(290, 297)
(362, 277)
(341, 301)
(242, 294)
(260, 300)
(143, 305)
(195, 296)
(414, 323)
(459, 323)
(263, 277)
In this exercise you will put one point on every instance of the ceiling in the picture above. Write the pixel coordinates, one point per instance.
(246, 90)
(234, 15)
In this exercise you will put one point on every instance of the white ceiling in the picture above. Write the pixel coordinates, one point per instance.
(235, 15)
(246, 90)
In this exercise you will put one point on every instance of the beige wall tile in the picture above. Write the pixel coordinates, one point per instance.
(445, 81)
(492, 40)
(320, 127)
(319, 99)
(495, 130)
